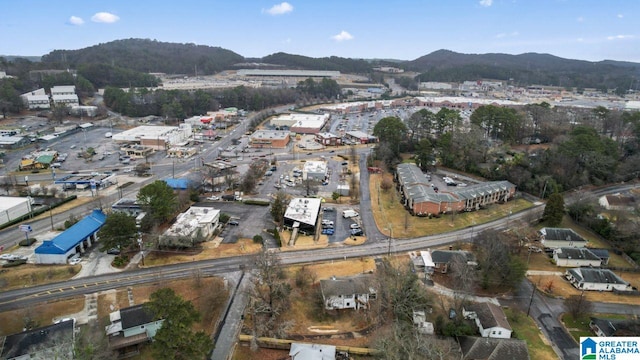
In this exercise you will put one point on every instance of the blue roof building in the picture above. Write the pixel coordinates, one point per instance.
(72, 241)
(180, 184)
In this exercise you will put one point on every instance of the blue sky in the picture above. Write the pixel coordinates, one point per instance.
(401, 29)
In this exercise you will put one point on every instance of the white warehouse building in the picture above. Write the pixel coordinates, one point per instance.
(12, 208)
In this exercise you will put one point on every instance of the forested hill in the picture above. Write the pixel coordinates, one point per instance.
(149, 56)
(334, 63)
(528, 68)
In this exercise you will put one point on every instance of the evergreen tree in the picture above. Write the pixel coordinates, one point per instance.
(554, 210)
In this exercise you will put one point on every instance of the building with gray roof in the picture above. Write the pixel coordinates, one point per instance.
(49, 342)
(596, 279)
(560, 237)
(575, 257)
(348, 292)
(495, 349)
(422, 199)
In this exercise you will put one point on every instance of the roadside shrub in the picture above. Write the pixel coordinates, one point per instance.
(14, 263)
(27, 242)
(120, 261)
(256, 202)
(224, 218)
(258, 239)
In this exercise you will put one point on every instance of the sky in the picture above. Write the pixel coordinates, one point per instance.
(592, 30)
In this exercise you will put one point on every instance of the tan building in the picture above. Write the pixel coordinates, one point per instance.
(270, 139)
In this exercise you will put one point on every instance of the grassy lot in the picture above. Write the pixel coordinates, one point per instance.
(210, 249)
(42, 315)
(32, 275)
(525, 328)
(388, 211)
(580, 326)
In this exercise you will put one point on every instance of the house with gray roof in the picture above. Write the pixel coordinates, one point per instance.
(49, 342)
(474, 348)
(560, 238)
(615, 327)
(353, 292)
(442, 259)
(575, 257)
(596, 279)
(489, 318)
(131, 326)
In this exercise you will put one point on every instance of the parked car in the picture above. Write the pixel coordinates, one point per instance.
(327, 222)
(354, 226)
(328, 209)
(349, 214)
(213, 198)
(328, 231)
(357, 232)
(233, 222)
(74, 261)
(113, 251)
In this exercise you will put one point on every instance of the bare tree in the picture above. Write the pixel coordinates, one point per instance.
(578, 306)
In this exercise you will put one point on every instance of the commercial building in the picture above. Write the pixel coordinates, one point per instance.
(87, 181)
(13, 142)
(156, 137)
(314, 170)
(302, 215)
(197, 223)
(270, 139)
(12, 208)
(74, 240)
(359, 137)
(300, 123)
(328, 139)
(288, 73)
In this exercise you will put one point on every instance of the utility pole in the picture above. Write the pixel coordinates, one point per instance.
(531, 300)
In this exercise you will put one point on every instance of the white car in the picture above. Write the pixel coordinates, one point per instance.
(75, 261)
(354, 226)
(7, 257)
(213, 198)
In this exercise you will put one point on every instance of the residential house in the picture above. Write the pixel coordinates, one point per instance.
(131, 326)
(617, 202)
(474, 348)
(300, 351)
(490, 319)
(614, 327)
(596, 279)
(603, 254)
(560, 238)
(575, 257)
(348, 293)
(49, 342)
(442, 259)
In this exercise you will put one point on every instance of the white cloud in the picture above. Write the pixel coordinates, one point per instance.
(280, 9)
(343, 36)
(620, 37)
(620, 16)
(580, 19)
(74, 20)
(105, 17)
(486, 3)
(286, 41)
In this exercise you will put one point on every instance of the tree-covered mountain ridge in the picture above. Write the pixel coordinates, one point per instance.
(443, 65)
